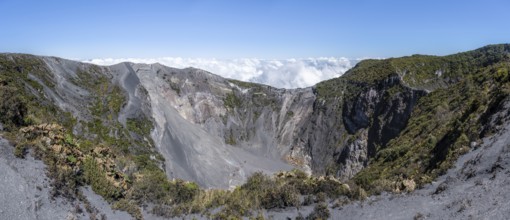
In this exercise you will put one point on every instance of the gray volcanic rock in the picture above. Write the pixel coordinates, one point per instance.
(369, 119)
(192, 150)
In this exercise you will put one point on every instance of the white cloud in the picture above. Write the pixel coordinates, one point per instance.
(288, 73)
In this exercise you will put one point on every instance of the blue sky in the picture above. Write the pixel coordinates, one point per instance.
(242, 28)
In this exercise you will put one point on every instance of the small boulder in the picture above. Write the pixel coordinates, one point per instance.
(441, 188)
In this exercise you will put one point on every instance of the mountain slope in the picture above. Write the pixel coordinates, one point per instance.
(386, 125)
(476, 187)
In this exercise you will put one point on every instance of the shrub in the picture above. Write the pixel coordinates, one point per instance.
(130, 207)
(331, 187)
(13, 107)
(308, 200)
(231, 101)
(152, 187)
(382, 185)
(20, 150)
(320, 211)
(257, 182)
(183, 191)
(320, 197)
(96, 177)
(64, 183)
(280, 197)
(141, 126)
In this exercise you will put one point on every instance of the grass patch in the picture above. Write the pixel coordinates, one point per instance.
(231, 101)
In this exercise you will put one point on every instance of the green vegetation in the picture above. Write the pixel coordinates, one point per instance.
(264, 192)
(232, 101)
(94, 175)
(466, 88)
(441, 126)
(417, 69)
(13, 109)
(320, 211)
(141, 126)
(130, 207)
(115, 99)
(20, 150)
(230, 139)
(19, 105)
(175, 87)
(257, 96)
(109, 102)
(337, 90)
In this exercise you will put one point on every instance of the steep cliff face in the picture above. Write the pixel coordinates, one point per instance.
(240, 116)
(345, 131)
(318, 135)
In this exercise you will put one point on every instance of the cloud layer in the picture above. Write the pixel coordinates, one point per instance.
(288, 73)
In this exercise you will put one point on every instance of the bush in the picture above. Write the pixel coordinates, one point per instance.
(20, 150)
(320, 211)
(152, 187)
(96, 177)
(238, 204)
(382, 185)
(231, 101)
(130, 207)
(280, 197)
(163, 211)
(13, 108)
(320, 197)
(258, 182)
(330, 187)
(308, 200)
(183, 191)
(65, 183)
